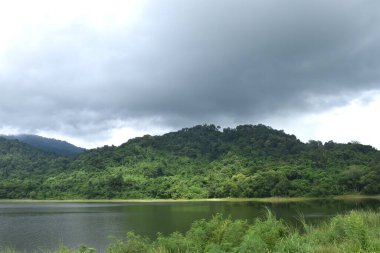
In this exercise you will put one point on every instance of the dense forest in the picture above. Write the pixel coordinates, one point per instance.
(199, 162)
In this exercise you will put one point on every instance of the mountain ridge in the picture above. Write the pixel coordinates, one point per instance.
(52, 145)
(199, 162)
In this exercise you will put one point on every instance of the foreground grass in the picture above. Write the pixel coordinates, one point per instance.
(357, 231)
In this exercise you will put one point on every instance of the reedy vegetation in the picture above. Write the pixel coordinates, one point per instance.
(357, 231)
(199, 162)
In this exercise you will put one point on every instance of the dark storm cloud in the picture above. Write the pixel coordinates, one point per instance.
(189, 62)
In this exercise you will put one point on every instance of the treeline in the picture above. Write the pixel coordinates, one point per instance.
(200, 162)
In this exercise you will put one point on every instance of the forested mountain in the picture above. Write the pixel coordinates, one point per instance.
(22, 168)
(47, 144)
(199, 162)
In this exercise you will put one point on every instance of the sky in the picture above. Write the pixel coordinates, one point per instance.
(97, 72)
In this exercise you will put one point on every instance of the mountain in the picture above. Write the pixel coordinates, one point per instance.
(20, 160)
(47, 144)
(198, 162)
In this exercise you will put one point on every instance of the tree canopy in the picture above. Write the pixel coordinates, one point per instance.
(199, 162)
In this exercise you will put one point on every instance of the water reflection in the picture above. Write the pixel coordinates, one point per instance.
(31, 226)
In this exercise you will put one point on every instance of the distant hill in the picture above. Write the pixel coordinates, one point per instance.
(47, 144)
(198, 162)
(20, 160)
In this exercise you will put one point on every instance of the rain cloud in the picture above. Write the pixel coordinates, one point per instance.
(181, 63)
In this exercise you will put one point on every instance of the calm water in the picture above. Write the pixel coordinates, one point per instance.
(33, 226)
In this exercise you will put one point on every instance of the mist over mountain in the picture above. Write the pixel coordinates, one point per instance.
(47, 144)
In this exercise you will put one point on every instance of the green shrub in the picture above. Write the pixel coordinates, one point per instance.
(134, 244)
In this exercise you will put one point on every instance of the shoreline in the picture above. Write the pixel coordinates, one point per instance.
(262, 200)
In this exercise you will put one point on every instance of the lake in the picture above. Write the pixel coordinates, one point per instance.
(29, 226)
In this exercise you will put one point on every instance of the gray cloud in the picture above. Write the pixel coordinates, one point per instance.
(189, 62)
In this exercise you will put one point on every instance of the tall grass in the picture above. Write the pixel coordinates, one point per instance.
(357, 231)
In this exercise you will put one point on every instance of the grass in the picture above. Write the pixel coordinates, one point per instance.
(264, 200)
(354, 232)
(357, 196)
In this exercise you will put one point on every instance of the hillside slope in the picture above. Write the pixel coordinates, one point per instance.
(23, 167)
(47, 144)
(207, 162)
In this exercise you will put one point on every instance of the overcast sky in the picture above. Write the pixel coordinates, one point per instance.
(101, 72)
